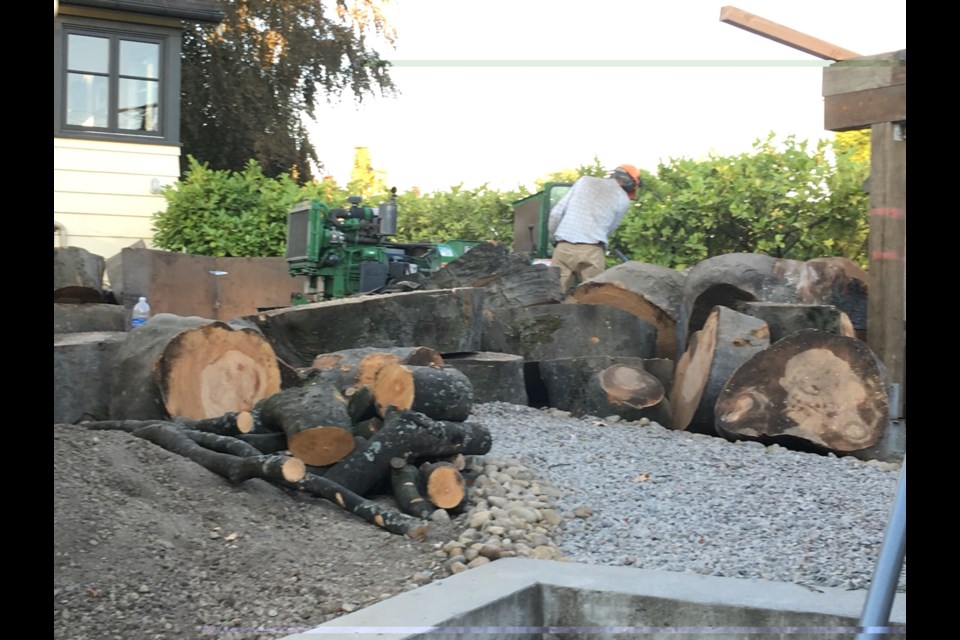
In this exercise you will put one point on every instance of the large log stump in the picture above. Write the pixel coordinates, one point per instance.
(553, 331)
(495, 377)
(811, 387)
(77, 275)
(651, 292)
(407, 434)
(448, 320)
(605, 386)
(785, 318)
(191, 367)
(727, 340)
(82, 366)
(441, 393)
(315, 420)
(85, 318)
(360, 366)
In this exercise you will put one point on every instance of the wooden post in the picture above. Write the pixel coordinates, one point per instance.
(886, 304)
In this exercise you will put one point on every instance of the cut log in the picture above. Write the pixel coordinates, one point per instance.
(785, 318)
(447, 320)
(405, 480)
(77, 276)
(82, 367)
(443, 484)
(235, 468)
(360, 366)
(477, 267)
(361, 406)
(441, 393)
(84, 318)
(495, 377)
(812, 387)
(315, 420)
(839, 282)
(407, 433)
(604, 386)
(555, 331)
(367, 428)
(229, 424)
(727, 340)
(649, 291)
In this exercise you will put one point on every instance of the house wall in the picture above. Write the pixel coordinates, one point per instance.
(103, 192)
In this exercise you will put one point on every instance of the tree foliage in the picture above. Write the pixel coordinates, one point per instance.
(248, 82)
(781, 200)
(365, 181)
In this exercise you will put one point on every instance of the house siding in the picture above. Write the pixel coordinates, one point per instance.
(102, 195)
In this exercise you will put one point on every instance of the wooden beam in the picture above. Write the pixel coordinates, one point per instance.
(862, 109)
(784, 35)
(887, 283)
(865, 72)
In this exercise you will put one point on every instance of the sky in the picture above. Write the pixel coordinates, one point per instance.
(503, 92)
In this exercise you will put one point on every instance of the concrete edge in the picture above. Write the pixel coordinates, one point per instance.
(428, 606)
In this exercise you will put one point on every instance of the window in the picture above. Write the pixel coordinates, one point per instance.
(117, 84)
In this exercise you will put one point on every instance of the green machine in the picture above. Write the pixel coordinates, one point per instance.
(531, 218)
(345, 251)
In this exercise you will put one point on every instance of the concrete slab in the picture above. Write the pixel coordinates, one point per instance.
(520, 599)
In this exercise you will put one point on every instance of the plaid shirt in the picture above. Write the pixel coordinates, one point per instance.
(589, 212)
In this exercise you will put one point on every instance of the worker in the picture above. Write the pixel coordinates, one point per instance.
(582, 222)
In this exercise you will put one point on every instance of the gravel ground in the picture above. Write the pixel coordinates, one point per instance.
(151, 545)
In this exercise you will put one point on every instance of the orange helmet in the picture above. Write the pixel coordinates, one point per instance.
(628, 176)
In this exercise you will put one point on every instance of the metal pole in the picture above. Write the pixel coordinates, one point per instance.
(875, 619)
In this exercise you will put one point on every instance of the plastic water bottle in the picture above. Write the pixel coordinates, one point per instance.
(141, 313)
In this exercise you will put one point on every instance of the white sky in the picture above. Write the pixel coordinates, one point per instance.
(509, 125)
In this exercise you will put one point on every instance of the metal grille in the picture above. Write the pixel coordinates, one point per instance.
(298, 233)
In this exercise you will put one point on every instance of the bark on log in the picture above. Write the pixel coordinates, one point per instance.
(368, 428)
(651, 292)
(82, 368)
(727, 340)
(785, 318)
(495, 377)
(77, 275)
(441, 393)
(315, 420)
(85, 318)
(360, 366)
(810, 386)
(265, 442)
(477, 267)
(407, 433)
(447, 320)
(389, 519)
(443, 484)
(191, 367)
(568, 330)
(229, 424)
(235, 468)
(405, 481)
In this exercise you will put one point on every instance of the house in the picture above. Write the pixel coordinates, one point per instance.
(116, 116)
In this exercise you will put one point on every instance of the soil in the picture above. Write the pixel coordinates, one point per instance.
(148, 544)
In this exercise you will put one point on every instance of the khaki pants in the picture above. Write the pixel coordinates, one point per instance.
(580, 261)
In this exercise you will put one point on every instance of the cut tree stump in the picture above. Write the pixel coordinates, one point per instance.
(553, 331)
(785, 318)
(88, 318)
(605, 386)
(82, 367)
(77, 275)
(448, 321)
(441, 393)
(191, 367)
(727, 340)
(495, 377)
(651, 292)
(314, 418)
(407, 434)
(811, 387)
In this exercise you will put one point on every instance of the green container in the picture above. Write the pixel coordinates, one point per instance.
(453, 249)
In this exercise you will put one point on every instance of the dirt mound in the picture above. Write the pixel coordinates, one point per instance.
(148, 544)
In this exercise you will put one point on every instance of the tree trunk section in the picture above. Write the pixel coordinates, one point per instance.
(360, 366)
(785, 318)
(88, 318)
(404, 434)
(405, 480)
(77, 275)
(726, 341)
(554, 331)
(477, 267)
(630, 393)
(315, 420)
(447, 321)
(443, 484)
(495, 377)
(812, 387)
(651, 292)
(441, 393)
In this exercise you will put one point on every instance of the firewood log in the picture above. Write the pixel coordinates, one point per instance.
(784, 318)
(442, 393)
(360, 366)
(810, 386)
(495, 377)
(443, 484)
